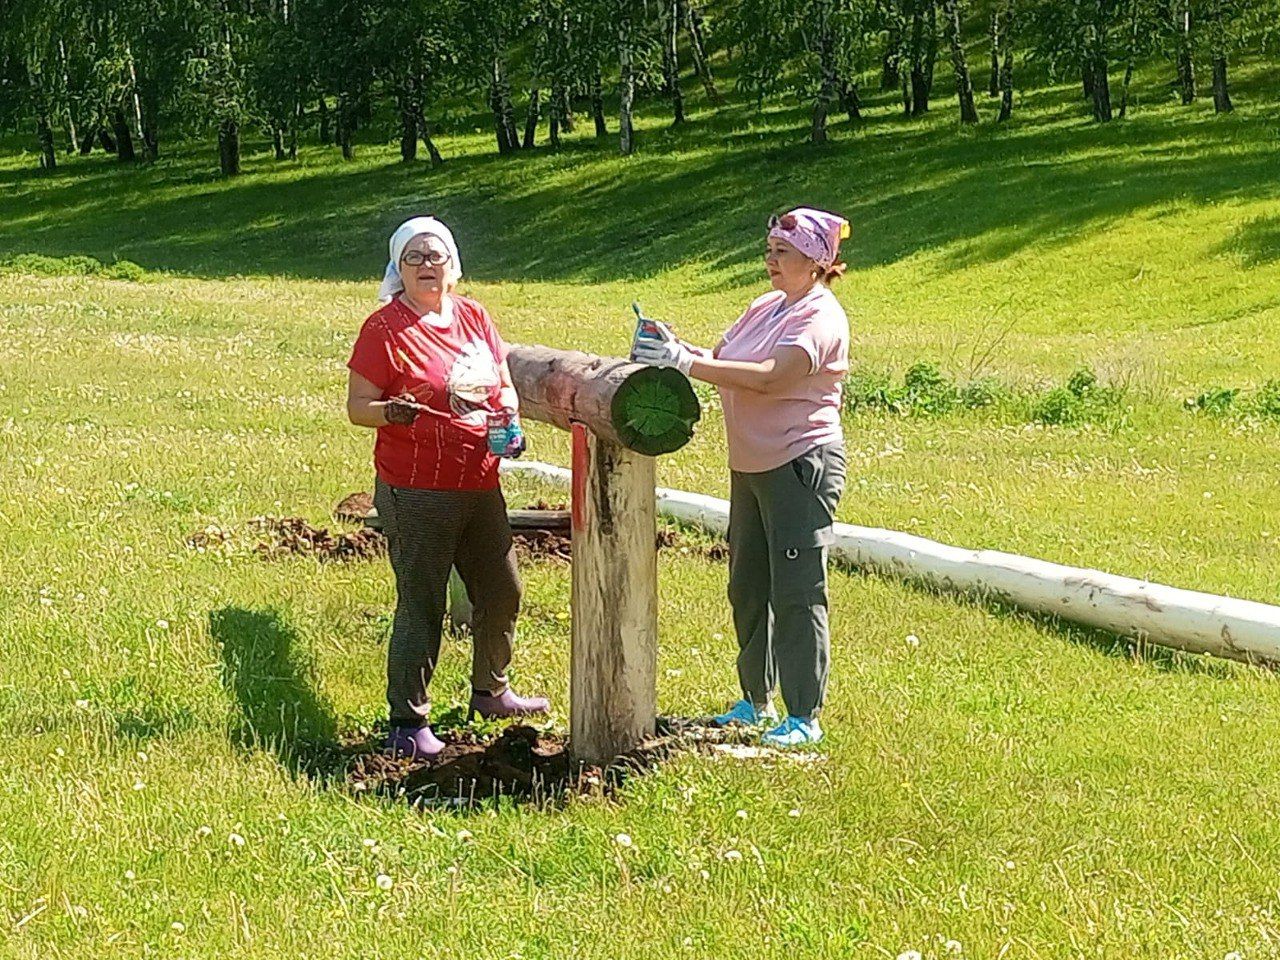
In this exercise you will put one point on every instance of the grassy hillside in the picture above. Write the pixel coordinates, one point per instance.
(1017, 787)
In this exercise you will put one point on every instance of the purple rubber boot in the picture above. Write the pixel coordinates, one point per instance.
(506, 704)
(416, 743)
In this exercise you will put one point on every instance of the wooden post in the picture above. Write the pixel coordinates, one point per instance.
(613, 677)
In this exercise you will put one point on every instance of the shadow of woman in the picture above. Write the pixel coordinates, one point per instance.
(271, 681)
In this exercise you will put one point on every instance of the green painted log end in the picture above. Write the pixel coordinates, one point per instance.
(655, 411)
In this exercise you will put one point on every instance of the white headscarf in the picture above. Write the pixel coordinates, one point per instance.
(391, 281)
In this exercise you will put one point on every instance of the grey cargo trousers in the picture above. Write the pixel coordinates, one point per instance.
(779, 531)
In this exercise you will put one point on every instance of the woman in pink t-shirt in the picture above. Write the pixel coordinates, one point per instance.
(779, 370)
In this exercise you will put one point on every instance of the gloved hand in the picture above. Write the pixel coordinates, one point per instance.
(401, 410)
(665, 353)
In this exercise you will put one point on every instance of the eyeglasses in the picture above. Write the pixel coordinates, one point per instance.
(416, 258)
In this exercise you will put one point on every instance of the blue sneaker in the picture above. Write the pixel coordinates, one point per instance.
(744, 712)
(793, 732)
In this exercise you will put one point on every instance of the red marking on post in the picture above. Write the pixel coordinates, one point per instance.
(578, 506)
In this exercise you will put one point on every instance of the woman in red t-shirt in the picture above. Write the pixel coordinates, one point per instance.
(428, 370)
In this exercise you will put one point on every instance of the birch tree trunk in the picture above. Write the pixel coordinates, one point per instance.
(1184, 42)
(1006, 66)
(229, 147)
(123, 138)
(597, 105)
(671, 58)
(627, 82)
(827, 64)
(964, 84)
(531, 118)
(500, 103)
(424, 129)
(1221, 93)
(44, 133)
(993, 84)
(1131, 58)
(696, 48)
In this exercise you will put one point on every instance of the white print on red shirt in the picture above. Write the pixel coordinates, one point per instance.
(472, 378)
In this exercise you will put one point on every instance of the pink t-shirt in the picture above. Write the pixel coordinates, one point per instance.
(767, 431)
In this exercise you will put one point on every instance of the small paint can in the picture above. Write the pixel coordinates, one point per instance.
(499, 433)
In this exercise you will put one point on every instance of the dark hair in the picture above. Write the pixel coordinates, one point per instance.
(833, 272)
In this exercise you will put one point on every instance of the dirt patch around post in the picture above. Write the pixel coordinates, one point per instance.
(527, 765)
(274, 538)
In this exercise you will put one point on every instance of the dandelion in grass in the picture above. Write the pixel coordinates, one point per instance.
(953, 947)
(236, 840)
(139, 785)
(384, 882)
(910, 955)
(464, 835)
(732, 856)
(178, 926)
(741, 814)
(913, 641)
(130, 875)
(623, 840)
(162, 624)
(1234, 955)
(794, 814)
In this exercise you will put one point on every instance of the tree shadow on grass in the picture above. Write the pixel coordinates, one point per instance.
(699, 196)
(279, 708)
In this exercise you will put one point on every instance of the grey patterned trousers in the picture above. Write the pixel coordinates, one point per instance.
(428, 532)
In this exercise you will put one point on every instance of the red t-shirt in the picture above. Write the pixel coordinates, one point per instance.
(452, 370)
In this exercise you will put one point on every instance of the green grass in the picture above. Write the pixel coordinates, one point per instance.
(1024, 789)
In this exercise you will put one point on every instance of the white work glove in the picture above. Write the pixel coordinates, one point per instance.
(667, 352)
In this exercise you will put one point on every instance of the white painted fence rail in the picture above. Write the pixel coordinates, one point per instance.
(1169, 616)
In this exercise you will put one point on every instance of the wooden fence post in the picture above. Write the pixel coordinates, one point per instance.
(613, 678)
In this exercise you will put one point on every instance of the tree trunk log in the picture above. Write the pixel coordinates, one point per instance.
(645, 409)
(613, 704)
